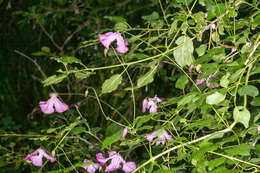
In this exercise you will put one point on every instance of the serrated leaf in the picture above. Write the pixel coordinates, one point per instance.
(249, 90)
(111, 139)
(241, 115)
(242, 149)
(54, 79)
(147, 78)
(120, 26)
(111, 84)
(183, 54)
(82, 75)
(215, 98)
(182, 82)
(115, 18)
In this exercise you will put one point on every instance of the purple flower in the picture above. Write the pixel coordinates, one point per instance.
(53, 105)
(151, 104)
(201, 81)
(107, 38)
(36, 157)
(161, 134)
(92, 167)
(129, 167)
(116, 162)
(124, 134)
(191, 67)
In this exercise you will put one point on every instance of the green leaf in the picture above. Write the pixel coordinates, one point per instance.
(201, 50)
(69, 60)
(242, 149)
(83, 75)
(147, 78)
(141, 120)
(111, 139)
(111, 84)
(224, 80)
(215, 98)
(120, 26)
(46, 49)
(54, 79)
(249, 90)
(241, 115)
(183, 54)
(173, 27)
(255, 101)
(78, 130)
(187, 99)
(182, 82)
(115, 18)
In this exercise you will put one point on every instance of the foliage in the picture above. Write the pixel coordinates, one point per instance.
(172, 44)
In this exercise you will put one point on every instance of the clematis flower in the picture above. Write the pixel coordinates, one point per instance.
(124, 133)
(107, 39)
(36, 157)
(92, 167)
(151, 104)
(116, 162)
(53, 105)
(162, 136)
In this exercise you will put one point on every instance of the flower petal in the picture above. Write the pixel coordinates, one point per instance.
(59, 106)
(145, 105)
(129, 167)
(107, 38)
(124, 133)
(47, 107)
(101, 159)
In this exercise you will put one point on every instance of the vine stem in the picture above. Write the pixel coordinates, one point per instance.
(188, 143)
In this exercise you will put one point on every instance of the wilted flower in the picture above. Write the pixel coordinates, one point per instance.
(107, 38)
(161, 134)
(53, 105)
(116, 162)
(36, 157)
(92, 167)
(151, 104)
(124, 134)
(191, 67)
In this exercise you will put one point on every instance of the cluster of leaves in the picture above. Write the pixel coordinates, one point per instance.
(215, 129)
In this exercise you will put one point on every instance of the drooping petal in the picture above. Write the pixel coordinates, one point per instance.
(116, 160)
(59, 106)
(151, 136)
(47, 107)
(121, 44)
(129, 167)
(153, 108)
(36, 157)
(145, 105)
(101, 159)
(124, 134)
(91, 168)
(44, 154)
(107, 38)
(191, 67)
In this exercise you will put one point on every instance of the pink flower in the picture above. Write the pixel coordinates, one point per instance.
(162, 136)
(129, 167)
(116, 162)
(201, 81)
(53, 105)
(191, 67)
(124, 133)
(150, 104)
(107, 38)
(92, 167)
(36, 157)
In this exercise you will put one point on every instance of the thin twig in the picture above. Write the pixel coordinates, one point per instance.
(50, 37)
(37, 65)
